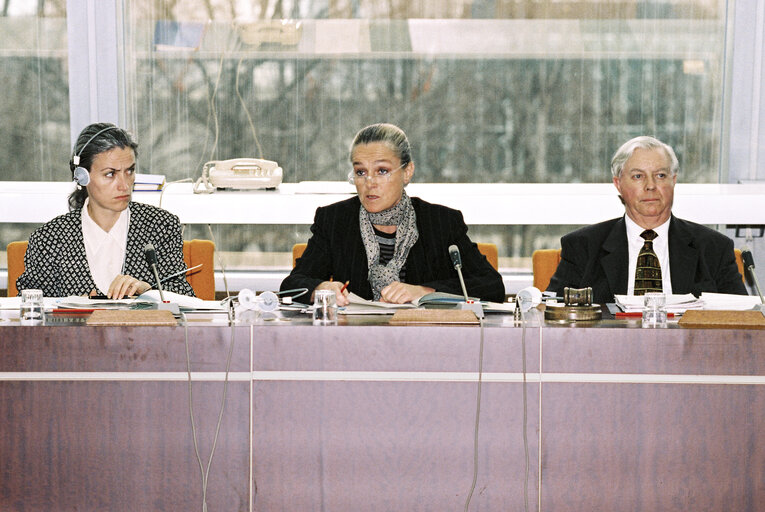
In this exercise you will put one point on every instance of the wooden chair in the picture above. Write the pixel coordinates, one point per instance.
(201, 280)
(15, 252)
(488, 250)
(194, 253)
(544, 262)
(740, 263)
(543, 265)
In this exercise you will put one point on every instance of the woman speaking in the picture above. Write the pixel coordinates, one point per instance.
(98, 247)
(384, 244)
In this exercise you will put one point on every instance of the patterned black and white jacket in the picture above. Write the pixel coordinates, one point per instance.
(56, 263)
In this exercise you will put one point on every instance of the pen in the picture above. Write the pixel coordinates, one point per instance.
(634, 314)
(345, 286)
(182, 272)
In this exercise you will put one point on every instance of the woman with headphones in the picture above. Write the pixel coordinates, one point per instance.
(98, 247)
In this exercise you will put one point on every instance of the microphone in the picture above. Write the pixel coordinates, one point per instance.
(454, 254)
(151, 258)
(746, 255)
(475, 307)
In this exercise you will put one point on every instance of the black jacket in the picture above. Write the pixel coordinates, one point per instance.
(700, 260)
(336, 250)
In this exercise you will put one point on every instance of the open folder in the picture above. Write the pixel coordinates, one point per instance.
(360, 306)
(144, 301)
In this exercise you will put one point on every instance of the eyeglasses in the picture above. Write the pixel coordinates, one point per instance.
(382, 175)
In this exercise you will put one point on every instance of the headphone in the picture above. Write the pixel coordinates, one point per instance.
(81, 174)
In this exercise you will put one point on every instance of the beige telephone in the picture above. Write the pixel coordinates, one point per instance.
(238, 173)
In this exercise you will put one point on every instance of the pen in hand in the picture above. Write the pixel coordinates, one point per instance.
(345, 286)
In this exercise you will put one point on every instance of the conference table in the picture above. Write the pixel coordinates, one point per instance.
(370, 416)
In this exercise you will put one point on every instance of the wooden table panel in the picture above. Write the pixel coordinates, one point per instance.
(654, 351)
(378, 446)
(120, 446)
(123, 349)
(646, 447)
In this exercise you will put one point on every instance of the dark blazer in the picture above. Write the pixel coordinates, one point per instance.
(700, 260)
(56, 262)
(336, 250)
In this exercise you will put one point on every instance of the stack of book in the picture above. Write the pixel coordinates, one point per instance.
(149, 182)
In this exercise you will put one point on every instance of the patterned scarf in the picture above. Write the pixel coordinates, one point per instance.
(403, 217)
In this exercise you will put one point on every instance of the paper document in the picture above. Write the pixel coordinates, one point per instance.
(14, 303)
(677, 304)
(730, 302)
(356, 300)
(82, 302)
(184, 302)
(360, 306)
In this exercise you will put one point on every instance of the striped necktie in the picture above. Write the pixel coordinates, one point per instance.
(648, 271)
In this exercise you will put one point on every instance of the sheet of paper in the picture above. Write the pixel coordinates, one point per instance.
(676, 303)
(726, 301)
(184, 301)
(15, 302)
(355, 299)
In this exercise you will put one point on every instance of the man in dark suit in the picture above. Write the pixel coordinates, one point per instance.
(683, 257)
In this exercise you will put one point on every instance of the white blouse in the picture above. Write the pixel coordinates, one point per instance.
(105, 249)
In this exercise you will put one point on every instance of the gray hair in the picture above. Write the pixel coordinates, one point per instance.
(390, 135)
(90, 143)
(643, 142)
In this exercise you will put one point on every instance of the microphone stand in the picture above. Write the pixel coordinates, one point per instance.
(470, 305)
(749, 265)
(151, 258)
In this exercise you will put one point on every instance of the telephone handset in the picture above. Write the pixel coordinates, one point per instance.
(238, 173)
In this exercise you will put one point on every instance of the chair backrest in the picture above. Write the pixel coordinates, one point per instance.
(740, 263)
(488, 250)
(543, 264)
(545, 261)
(297, 252)
(194, 253)
(201, 280)
(15, 252)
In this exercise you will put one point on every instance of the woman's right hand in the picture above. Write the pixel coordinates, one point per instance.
(335, 286)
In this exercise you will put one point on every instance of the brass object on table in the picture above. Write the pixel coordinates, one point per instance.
(577, 307)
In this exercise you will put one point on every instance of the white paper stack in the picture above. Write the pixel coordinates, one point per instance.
(676, 304)
(729, 302)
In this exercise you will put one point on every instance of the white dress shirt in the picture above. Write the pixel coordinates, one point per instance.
(660, 247)
(105, 250)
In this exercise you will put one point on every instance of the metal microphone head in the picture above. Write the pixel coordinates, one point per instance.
(150, 254)
(746, 255)
(454, 254)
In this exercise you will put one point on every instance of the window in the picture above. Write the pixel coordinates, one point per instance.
(511, 91)
(34, 104)
(487, 92)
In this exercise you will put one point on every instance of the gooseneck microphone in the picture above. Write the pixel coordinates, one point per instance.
(454, 254)
(475, 307)
(151, 258)
(746, 255)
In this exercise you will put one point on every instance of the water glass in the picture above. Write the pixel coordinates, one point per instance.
(32, 309)
(654, 310)
(324, 307)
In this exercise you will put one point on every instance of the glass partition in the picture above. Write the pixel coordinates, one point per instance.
(34, 103)
(502, 91)
(533, 91)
